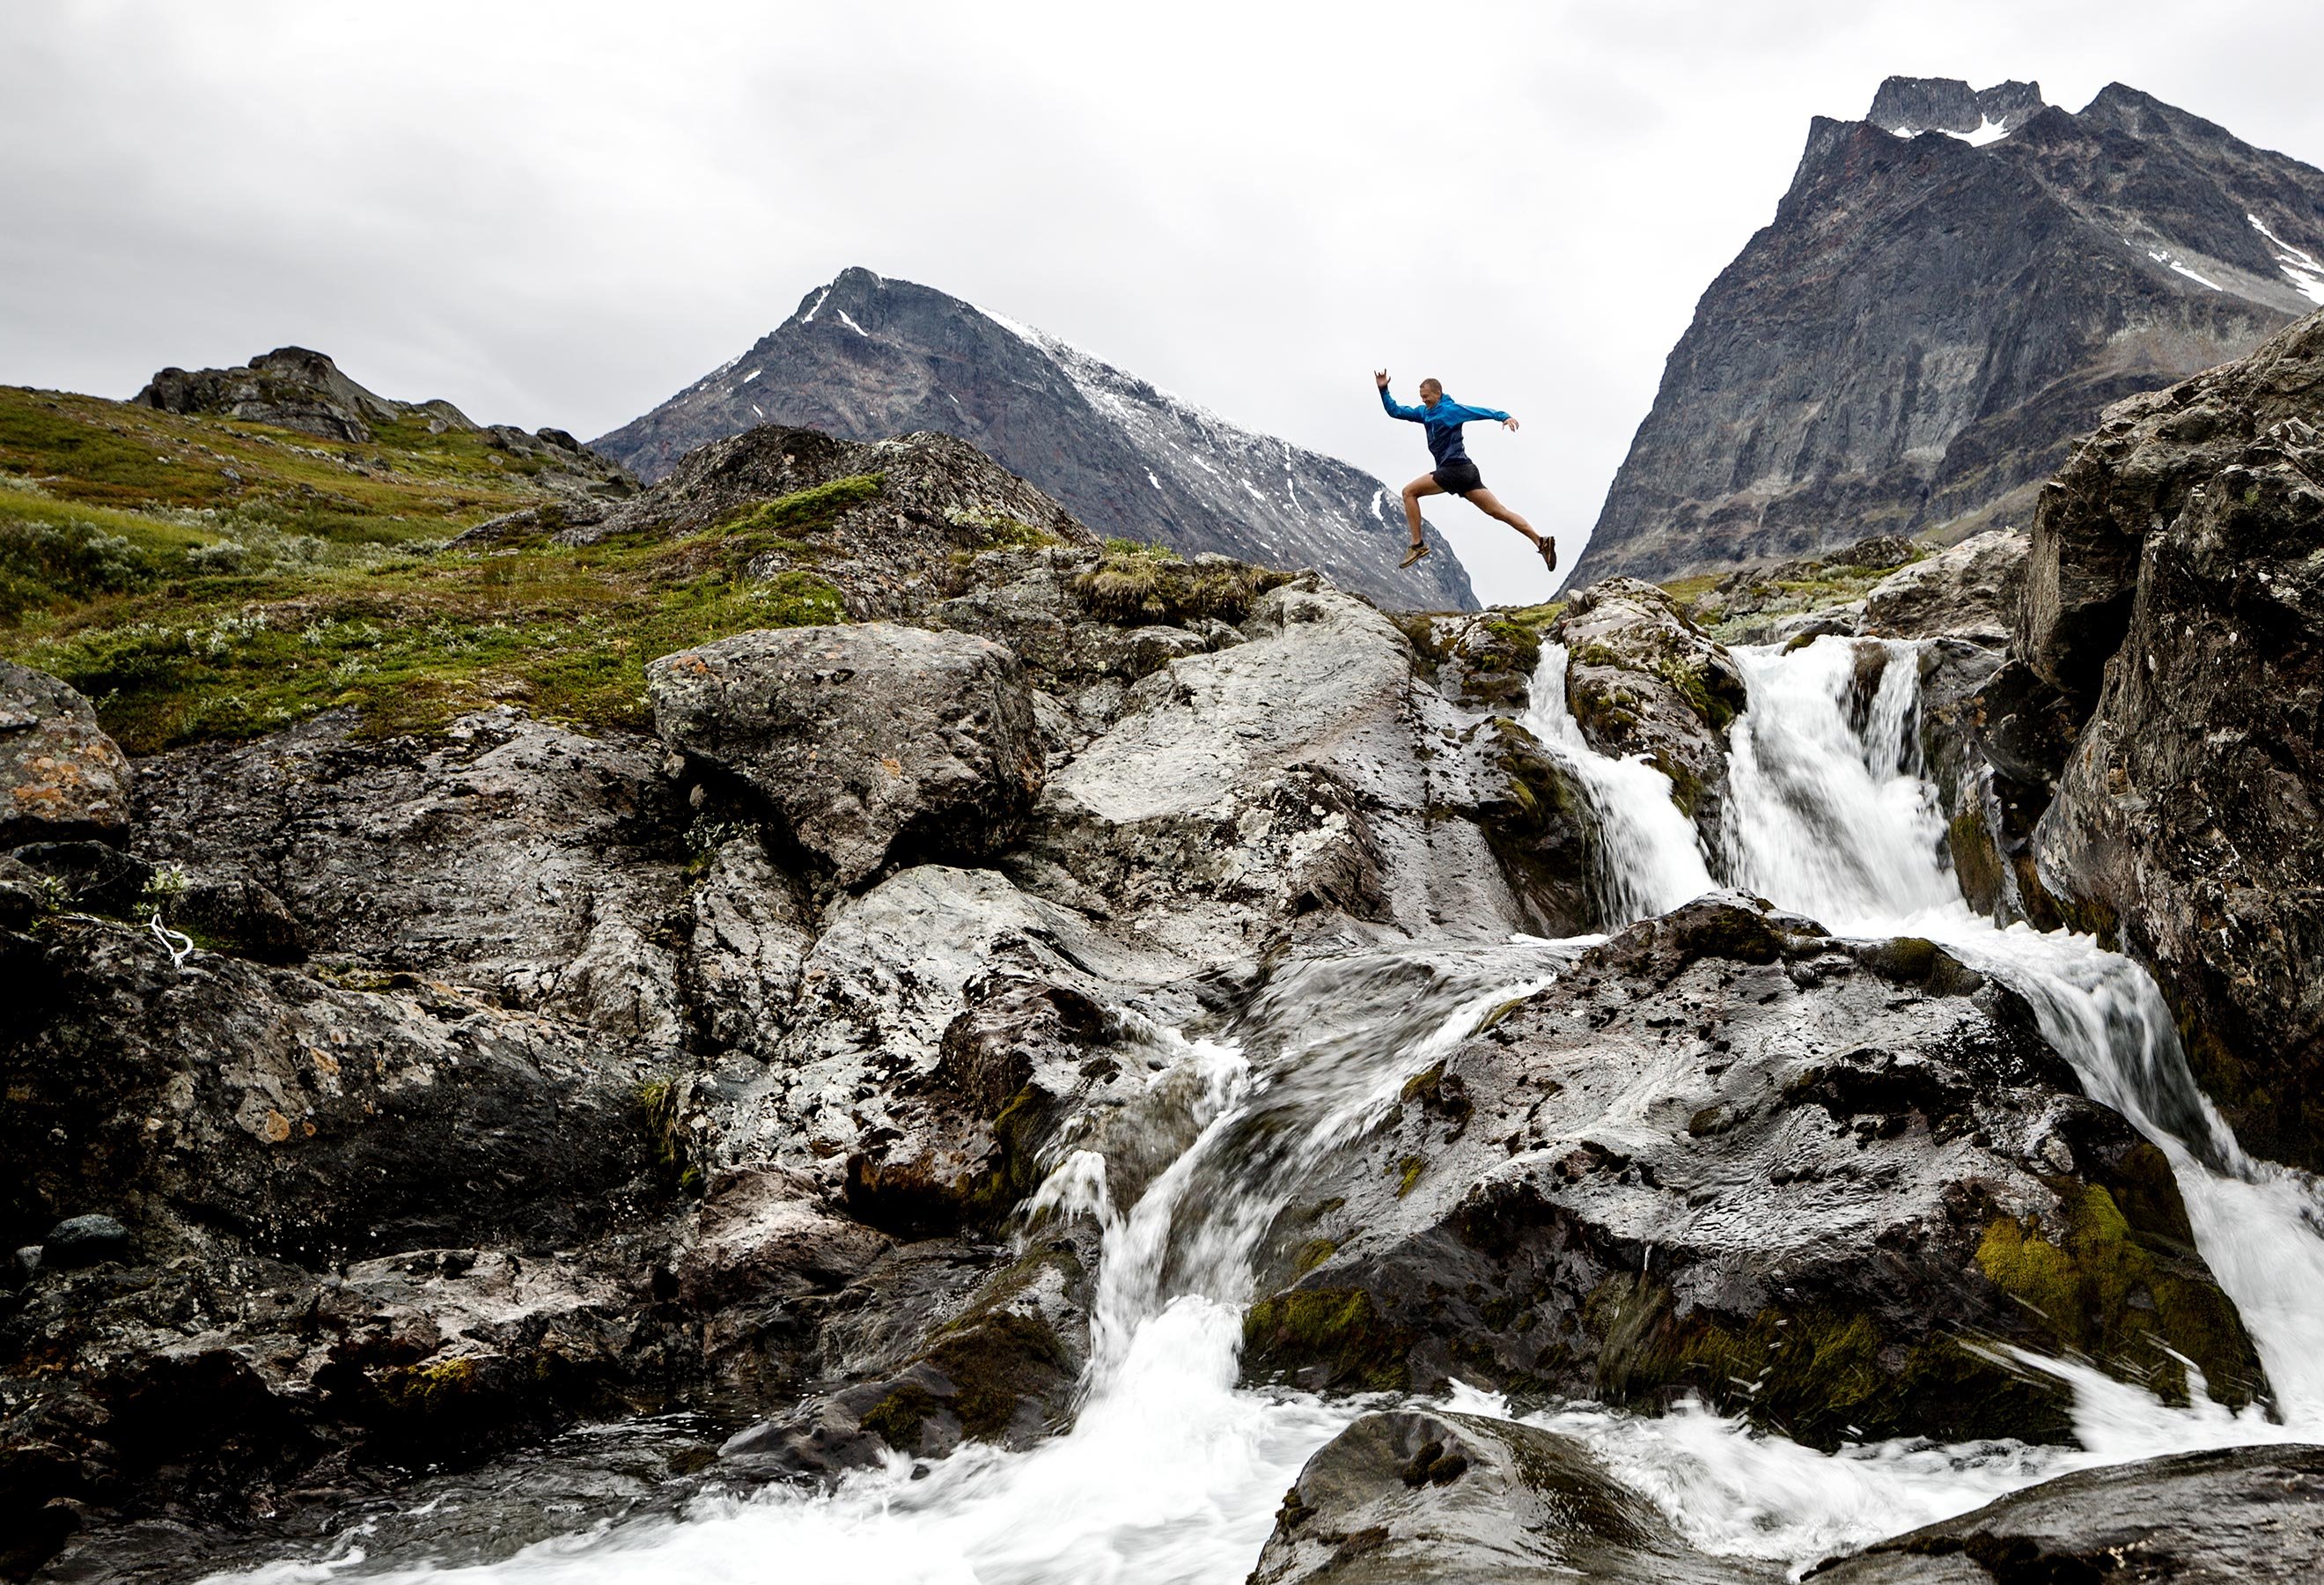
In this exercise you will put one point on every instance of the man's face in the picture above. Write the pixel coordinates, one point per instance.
(1431, 393)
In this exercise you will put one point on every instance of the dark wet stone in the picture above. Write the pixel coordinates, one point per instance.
(2212, 1518)
(84, 1240)
(1846, 1159)
(1414, 1496)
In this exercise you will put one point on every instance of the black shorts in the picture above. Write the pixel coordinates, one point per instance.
(1458, 478)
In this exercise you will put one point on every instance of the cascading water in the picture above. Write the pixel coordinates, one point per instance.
(1828, 816)
(1651, 859)
(1171, 1471)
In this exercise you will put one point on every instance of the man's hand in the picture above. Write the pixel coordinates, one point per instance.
(1380, 378)
(1509, 423)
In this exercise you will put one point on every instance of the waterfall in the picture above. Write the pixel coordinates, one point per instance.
(1828, 816)
(1650, 860)
(1172, 1471)
(1827, 813)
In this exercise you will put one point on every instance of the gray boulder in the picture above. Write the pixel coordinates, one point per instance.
(1726, 1155)
(871, 743)
(1643, 679)
(1081, 619)
(62, 778)
(1419, 1497)
(1970, 590)
(2222, 1517)
(1299, 772)
(84, 1240)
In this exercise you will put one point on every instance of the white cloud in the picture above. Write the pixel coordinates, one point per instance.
(564, 215)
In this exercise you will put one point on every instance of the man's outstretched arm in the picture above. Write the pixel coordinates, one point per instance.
(1417, 415)
(1463, 412)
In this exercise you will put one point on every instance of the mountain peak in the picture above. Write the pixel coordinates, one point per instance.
(1908, 106)
(1927, 391)
(867, 356)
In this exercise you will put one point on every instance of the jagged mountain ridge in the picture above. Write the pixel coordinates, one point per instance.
(866, 358)
(1951, 291)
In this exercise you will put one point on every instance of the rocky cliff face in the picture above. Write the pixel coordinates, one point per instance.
(866, 358)
(2170, 655)
(1950, 292)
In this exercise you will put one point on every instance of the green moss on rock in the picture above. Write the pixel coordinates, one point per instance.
(1135, 586)
(998, 1362)
(802, 512)
(896, 1418)
(1819, 1375)
(1326, 1337)
(1018, 1130)
(430, 1388)
(2109, 1293)
(1313, 1254)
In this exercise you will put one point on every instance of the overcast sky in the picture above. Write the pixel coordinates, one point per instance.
(562, 214)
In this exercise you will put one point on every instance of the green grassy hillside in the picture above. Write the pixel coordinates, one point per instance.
(203, 577)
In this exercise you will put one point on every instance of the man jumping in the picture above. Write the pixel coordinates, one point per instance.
(1454, 474)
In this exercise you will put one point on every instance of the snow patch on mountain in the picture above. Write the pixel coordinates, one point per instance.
(2299, 267)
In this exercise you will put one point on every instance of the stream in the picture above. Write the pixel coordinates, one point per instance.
(1172, 1472)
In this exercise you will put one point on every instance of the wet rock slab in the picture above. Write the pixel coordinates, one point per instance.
(2212, 1518)
(1726, 1155)
(1417, 1496)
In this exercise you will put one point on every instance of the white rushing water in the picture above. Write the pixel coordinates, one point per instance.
(1828, 816)
(1652, 859)
(1172, 1472)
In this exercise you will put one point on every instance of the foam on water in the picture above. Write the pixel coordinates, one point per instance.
(1172, 1472)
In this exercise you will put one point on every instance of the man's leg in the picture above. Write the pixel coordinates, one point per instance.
(1487, 503)
(1425, 485)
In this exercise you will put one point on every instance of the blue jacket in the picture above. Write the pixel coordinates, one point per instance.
(1443, 424)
